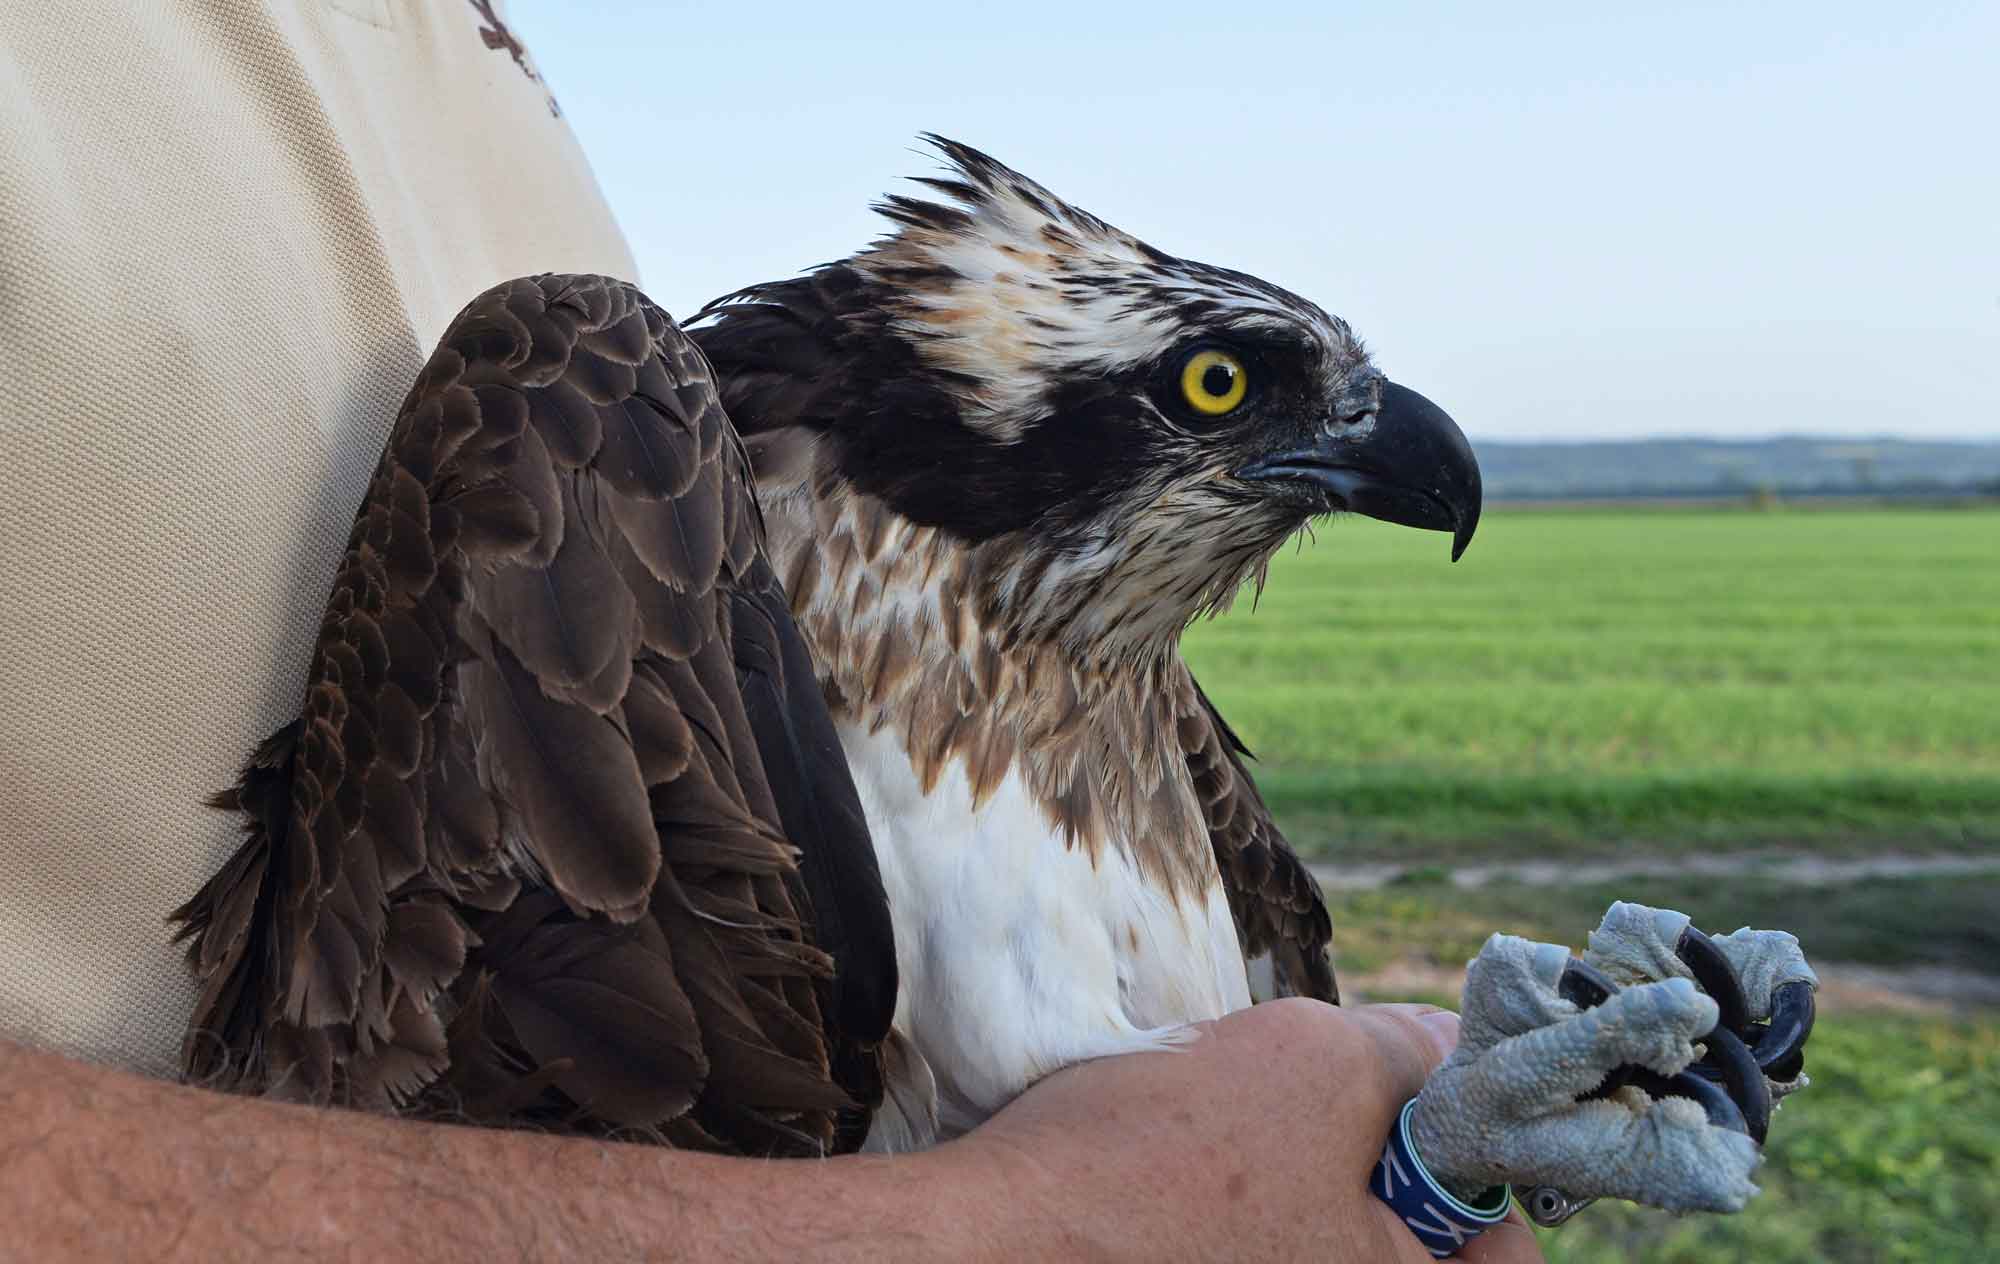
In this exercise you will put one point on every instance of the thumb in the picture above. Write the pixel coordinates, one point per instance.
(1409, 1043)
(1423, 1032)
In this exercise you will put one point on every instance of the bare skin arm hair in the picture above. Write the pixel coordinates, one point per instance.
(100, 1164)
(1254, 1142)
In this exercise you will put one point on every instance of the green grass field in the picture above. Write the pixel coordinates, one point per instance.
(1585, 679)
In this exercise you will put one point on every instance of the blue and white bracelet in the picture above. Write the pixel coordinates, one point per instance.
(1442, 1222)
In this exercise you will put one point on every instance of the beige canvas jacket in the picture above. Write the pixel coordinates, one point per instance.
(230, 232)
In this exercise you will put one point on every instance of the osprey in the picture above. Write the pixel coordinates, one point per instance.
(1007, 454)
(775, 736)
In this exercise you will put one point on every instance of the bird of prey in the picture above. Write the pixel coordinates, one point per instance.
(1006, 455)
(773, 737)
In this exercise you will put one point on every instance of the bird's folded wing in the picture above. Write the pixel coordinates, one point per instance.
(1279, 911)
(532, 849)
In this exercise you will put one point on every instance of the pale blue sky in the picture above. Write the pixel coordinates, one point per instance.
(1580, 221)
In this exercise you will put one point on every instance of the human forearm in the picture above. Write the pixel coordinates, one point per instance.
(96, 1163)
(1254, 1141)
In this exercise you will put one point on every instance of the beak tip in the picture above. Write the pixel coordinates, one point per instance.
(1461, 539)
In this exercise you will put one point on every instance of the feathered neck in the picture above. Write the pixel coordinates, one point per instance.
(926, 636)
(1111, 607)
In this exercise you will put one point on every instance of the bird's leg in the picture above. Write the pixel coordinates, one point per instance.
(1547, 1088)
(1646, 1070)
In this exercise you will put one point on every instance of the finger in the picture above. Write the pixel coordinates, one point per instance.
(1381, 1236)
(1399, 1047)
(1414, 1038)
(1509, 1242)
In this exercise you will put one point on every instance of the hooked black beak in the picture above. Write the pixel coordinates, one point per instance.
(1411, 466)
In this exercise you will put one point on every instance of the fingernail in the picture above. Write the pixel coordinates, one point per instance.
(1443, 1028)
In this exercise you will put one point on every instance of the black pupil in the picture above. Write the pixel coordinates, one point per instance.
(1217, 379)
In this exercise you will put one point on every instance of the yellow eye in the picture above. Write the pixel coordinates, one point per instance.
(1214, 382)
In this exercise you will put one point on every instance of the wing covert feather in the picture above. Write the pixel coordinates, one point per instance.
(1274, 897)
(532, 851)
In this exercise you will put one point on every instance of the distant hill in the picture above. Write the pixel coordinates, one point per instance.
(1711, 467)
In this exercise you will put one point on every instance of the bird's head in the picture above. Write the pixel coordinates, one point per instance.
(1143, 430)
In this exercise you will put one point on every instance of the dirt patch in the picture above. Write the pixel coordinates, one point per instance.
(1843, 986)
(1777, 866)
(1912, 989)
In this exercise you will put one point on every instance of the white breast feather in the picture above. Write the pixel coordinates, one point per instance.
(1018, 954)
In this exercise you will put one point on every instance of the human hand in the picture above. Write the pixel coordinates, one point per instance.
(1255, 1141)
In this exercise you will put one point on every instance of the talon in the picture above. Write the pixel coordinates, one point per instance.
(1730, 1061)
(1785, 1070)
(1714, 1100)
(1712, 971)
(1781, 1050)
(1584, 985)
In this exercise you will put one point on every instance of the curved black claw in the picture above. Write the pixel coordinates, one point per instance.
(1714, 1100)
(1584, 985)
(1713, 972)
(1731, 1082)
(1781, 1050)
(1730, 1062)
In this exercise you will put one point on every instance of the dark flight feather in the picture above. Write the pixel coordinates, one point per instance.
(1273, 896)
(521, 858)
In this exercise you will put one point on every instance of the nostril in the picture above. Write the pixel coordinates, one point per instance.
(1356, 405)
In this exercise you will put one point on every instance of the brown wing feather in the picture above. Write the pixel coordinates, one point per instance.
(532, 850)
(1274, 897)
